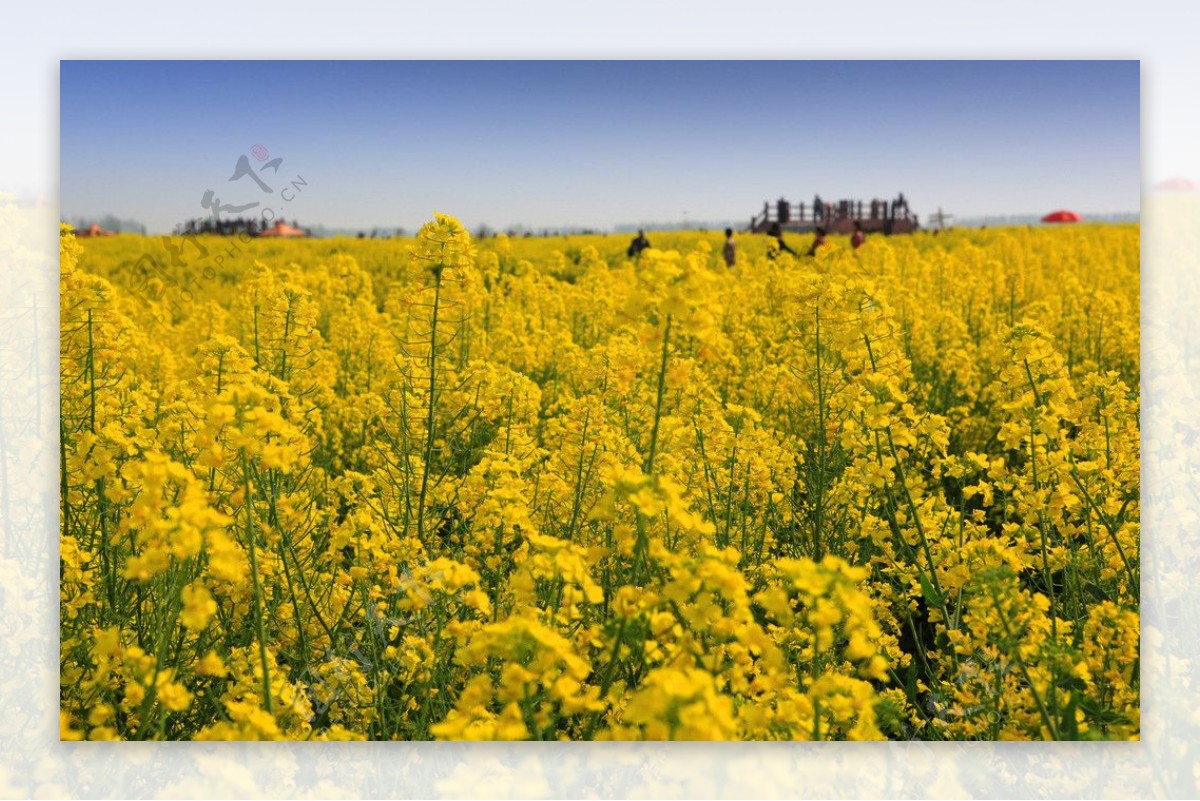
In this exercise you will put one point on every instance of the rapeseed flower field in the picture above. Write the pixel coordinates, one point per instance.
(440, 488)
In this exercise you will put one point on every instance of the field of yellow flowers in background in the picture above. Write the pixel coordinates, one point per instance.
(439, 488)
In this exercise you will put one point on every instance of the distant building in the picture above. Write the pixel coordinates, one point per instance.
(93, 230)
(282, 229)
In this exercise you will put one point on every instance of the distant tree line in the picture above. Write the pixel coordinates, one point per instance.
(484, 231)
(109, 222)
(230, 226)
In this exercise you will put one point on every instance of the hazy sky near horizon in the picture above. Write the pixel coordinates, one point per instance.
(593, 143)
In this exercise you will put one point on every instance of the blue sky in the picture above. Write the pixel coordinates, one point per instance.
(595, 143)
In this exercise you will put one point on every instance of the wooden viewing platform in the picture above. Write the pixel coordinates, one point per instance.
(837, 217)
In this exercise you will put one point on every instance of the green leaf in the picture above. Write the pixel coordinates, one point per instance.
(931, 596)
(1068, 728)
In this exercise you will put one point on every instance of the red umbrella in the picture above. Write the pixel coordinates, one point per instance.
(1062, 216)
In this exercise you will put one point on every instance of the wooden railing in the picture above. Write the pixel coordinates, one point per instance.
(785, 213)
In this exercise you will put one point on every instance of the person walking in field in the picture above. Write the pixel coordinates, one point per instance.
(730, 249)
(818, 241)
(639, 243)
(782, 246)
(858, 237)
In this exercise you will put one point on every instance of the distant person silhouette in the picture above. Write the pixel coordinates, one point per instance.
(818, 241)
(639, 243)
(858, 237)
(730, 249)
(777, 234)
